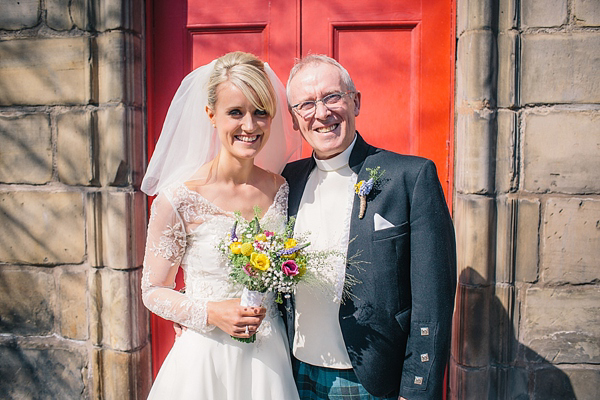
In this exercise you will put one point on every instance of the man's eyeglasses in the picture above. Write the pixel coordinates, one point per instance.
(332, 101)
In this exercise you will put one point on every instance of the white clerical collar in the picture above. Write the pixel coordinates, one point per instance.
(336, 162)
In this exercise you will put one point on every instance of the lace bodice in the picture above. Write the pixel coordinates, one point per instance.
(184, 230)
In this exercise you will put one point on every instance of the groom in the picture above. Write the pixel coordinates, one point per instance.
(390, 337)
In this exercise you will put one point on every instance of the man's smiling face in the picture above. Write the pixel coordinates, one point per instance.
(328, 131)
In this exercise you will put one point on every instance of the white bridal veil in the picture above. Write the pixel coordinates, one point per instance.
(188, 140)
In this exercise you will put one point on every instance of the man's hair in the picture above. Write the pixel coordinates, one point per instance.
(315, 59)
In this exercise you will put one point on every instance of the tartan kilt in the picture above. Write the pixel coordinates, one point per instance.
(319, 383)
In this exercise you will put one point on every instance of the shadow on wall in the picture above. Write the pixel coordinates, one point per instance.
(487, 360)
(50, 373)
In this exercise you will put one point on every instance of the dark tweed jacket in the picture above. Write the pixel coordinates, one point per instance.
(396, 326)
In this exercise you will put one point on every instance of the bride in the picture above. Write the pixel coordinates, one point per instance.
(223, 144)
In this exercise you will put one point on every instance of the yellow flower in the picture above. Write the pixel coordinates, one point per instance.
(301, 266)
(288, 245)
(357, 186)
(235, 247)
(261, 237)
(301, 270)
(260, 261)
(247, 249)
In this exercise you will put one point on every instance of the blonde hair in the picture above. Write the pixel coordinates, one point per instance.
(247, 73)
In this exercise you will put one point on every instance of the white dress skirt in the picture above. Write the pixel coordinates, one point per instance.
(205, 363)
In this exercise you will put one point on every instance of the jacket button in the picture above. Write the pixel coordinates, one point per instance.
(418, 380)
(425, 357)
(424, 331)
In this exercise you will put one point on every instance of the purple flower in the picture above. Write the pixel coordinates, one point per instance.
(234, 237)
(290, 268)
(366, 187)
(292, 250)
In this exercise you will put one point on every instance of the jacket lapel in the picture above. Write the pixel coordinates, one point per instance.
(298, 183)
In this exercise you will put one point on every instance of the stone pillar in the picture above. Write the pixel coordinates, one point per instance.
(72, 137)
(527, 200)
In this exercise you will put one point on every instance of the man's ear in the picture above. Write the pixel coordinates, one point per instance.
(211, 114)
(356, 104)
(294, 120)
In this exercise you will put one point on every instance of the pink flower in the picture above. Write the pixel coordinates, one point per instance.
(268, 233)
(290, 268)
(248, 269)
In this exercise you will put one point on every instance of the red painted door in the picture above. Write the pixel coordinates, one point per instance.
(399, 52)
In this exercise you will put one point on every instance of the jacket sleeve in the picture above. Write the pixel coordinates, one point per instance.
(433, 285)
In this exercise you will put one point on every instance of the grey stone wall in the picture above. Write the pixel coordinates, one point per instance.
(72, 220)
(527, 200)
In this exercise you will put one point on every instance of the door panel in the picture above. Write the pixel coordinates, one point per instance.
(399, 53)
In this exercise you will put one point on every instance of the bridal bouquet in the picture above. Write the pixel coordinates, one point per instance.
(263, 261)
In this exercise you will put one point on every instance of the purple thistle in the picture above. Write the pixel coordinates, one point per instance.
(366, 187)
(234, 237)
(292, 250)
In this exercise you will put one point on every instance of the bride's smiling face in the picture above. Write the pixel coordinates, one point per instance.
(243, 129)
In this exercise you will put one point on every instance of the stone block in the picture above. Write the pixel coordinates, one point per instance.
(506, 224)
(543, 14)
(122, 375)
(21, 14)
(508, 53)
(503, 339)
(526, 242)
(475, 231)
(75, 155)
(553, 383)
(72, 302)
(506, 151)
(44, 373)
(27, 301)
(116, 229)
(44, 71)
(41, 227)
(571, 240)
(562, 325)
(560, 68)
(476, 146)
(120, 74)
(120, 320)
(585, 380)
(121, 148)
(63, 15)
(508, 15)
(117, 14)
(560, 152)
(476, 69)
(473, 15)
(586, 12)
(471, 326)
(468, 383)
(26, 151)
(508, 383)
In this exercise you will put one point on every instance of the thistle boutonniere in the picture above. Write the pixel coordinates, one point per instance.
(363, 188)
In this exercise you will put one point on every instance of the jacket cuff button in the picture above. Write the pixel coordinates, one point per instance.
(425, 357)
(424, 331)
(418, 380)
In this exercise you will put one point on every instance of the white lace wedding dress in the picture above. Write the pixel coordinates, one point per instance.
(205, 362)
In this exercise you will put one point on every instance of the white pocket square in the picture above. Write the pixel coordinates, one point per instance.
(381, 223)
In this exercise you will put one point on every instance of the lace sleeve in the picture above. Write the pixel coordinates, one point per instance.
(165, 247)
